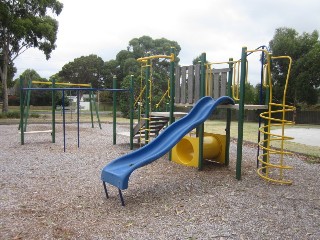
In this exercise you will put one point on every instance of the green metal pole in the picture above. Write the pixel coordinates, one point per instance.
(21, 111)
(202, 94)
(97, 113)
(241, 111)
(96, 108)
(24, 102)
(172, 86)
(91, 107)
(114, 110)
(229, 93)
(28, 105)
(53, 134)
(131, 111)
(139, 112)
(266, 122)
(260, 101)
(266, 136)
(172, 91)
(147, 107)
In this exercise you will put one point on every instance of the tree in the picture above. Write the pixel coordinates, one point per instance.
(144, 45)
(27, 75)
(141, 47)
(23, 25)
(86, 69)
(10, 74)
(251, 94)
(30, 75)
(305, 74)
(37, 98)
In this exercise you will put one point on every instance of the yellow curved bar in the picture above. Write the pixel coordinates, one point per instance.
(235, 77)
(264, 80)
(44, 83)
(261, 173)
(167, 93)
(266, 69)
(265, 144)
(209, 74)
(259, 50)
(227, 62)
(140, 95)
(288, 75)
(64, 84)
(143, 59)
(236, 81)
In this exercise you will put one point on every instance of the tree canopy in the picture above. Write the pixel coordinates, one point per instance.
(304, 79)
(23, 25)
(92, 69)
(37, 98)
(141, 47)
(85, 69)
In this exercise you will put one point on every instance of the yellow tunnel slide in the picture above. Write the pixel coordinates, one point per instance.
(186, 152)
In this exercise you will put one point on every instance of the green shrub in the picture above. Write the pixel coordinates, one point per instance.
(14, 114)
(34, 115)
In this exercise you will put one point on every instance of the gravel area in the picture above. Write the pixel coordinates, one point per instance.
(48, 194)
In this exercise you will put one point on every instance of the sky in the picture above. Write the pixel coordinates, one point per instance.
(220, 28)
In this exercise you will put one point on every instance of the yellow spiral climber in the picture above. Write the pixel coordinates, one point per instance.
(272, 158)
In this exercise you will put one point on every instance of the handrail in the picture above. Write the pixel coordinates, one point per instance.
(143, 59)
(63, 84)
(164, 95)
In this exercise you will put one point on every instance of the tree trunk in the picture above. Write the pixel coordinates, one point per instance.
(4, 76)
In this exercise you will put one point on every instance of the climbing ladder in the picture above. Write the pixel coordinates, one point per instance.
(272, 158)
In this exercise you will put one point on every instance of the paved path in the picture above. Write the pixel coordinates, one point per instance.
(307, 136)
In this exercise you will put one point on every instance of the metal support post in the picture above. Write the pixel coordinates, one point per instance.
(241, 111)
(114, 85)
(202, 94)
(131, 111)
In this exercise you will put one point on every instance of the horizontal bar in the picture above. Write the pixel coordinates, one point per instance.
(64, 84)
(82, 89)
(171, 57)
(44, 131)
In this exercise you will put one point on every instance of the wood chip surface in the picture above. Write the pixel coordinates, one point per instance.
(46, 193)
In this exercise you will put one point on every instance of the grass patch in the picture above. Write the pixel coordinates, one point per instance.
(34, 115)
(250, 131)
(250, 134)
(32, 108)
(10, 115)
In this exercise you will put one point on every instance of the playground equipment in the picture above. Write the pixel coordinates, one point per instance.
(119, 170)
(54, 84)
(53, 89)
(26, 101)
(186, 151)
(151, 123)
(146, 118)
(266, 144)
(230, 81)
(193, 83)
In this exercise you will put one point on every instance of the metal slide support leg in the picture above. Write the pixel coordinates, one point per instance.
(105, 189)
(121, 197)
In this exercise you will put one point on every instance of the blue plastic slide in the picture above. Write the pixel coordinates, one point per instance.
(118, 171)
